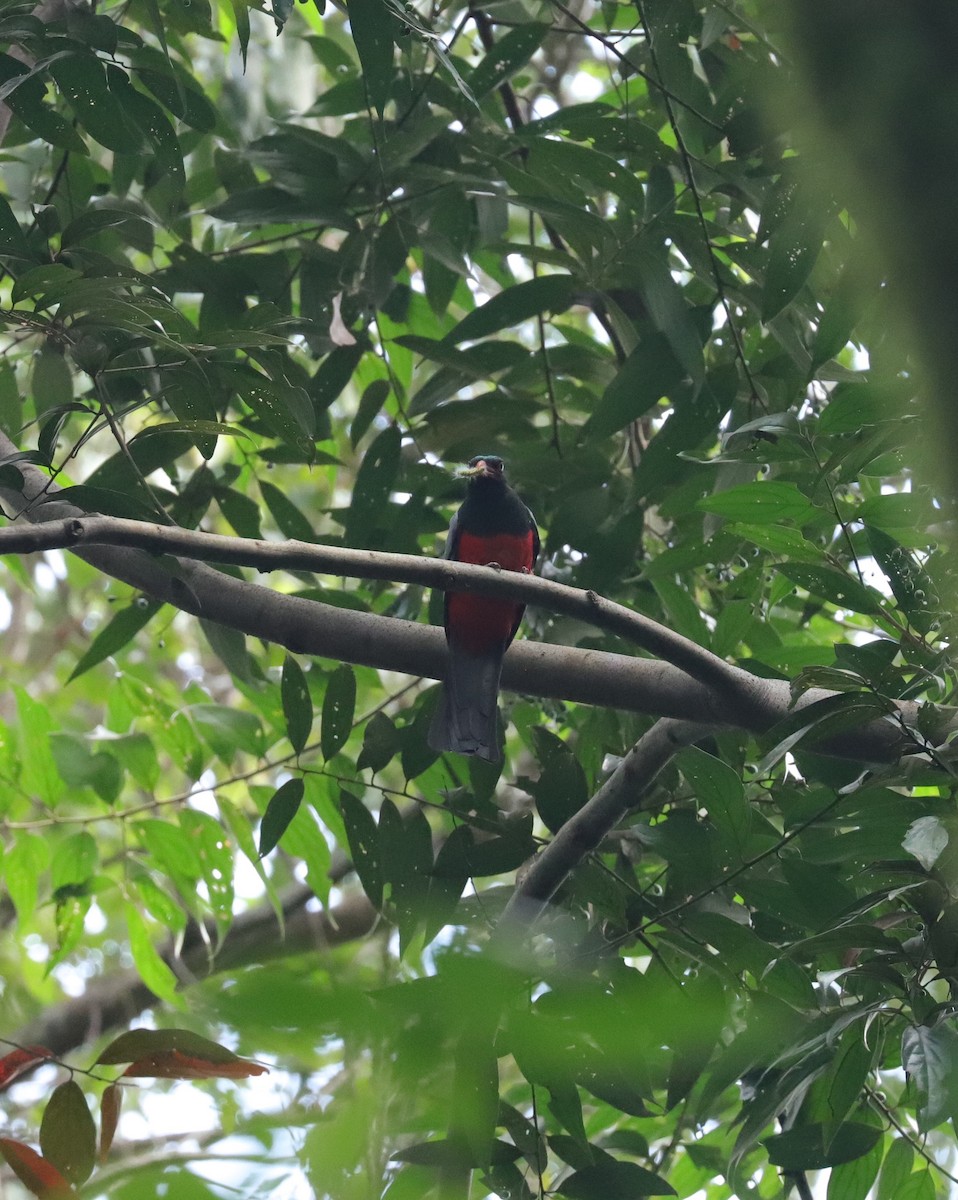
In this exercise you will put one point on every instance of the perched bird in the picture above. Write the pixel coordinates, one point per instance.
(493, 526)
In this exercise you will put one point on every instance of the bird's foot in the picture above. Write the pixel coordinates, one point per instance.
(495, 566)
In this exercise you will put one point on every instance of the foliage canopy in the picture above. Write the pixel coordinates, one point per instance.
(266, 287)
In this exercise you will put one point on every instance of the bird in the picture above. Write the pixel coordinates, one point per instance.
(493, 528)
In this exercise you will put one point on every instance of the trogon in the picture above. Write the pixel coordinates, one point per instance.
(493, 526)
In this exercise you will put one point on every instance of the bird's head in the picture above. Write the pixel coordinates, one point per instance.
(483, 466)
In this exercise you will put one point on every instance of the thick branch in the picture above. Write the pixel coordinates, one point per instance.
(734, 698)
(79, 532)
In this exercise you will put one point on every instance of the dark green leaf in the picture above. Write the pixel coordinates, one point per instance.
(810, 1148)
(297, 703)
(509, 55)
(380, 743)
(650, 372)
(614, 1181)
(548, 293)
(372, 25)
(339, 707)
(364, 846)
(374, 482)
(290, 521)
(283, 806)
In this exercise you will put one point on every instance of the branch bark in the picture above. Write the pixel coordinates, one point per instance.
(692, 685)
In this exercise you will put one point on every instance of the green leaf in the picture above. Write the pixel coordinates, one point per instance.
(297, 703)
(929, 1056)
(842, 589)
(228, 731)
(370, 405)
(381, 743)
(339, 707)
(290, 521)
(792, 253)
(853, 1180)
(848, 1074)
(895, 1169)
(809, 1148)
(721, 791)
(122, 627)
(23, 864)
(511, 306)
(364, 846)
(561, 789)
(74, 861)
(83, 81)
(52, 382)
(613, 1181)
(911, 585)
(282, 808)
(305, 840)
(649, 373)
(761, 503)
(508, 55)
(152, 969)
(374, 482)
(372, 25)
(68, 1133)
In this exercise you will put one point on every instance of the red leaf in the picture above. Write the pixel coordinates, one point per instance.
(18, 1062)
(35, 1173)
(171, 1064)
(110, 1103)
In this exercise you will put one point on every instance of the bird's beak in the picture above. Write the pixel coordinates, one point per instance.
(471, 472)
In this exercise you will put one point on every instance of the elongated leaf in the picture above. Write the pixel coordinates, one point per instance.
(374, 482)
(339, 707)
(650, 372)
(282, 808)
(174, 1064)
(297, 703)
(19, 1062)
(153, 970)
(792, 254)
(548, 293)
(853, 1180)
(614, 1181)
(110, 1104)
(372, 25)
(509, 55)
(895, 1169)
(140, 1043)
(35, 1173)
(760, 503)
(363, 846)
(807, 1148)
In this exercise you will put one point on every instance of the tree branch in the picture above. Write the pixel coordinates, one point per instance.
(718, 694)
(584, 830)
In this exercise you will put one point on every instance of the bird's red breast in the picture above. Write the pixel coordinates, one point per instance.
(479, 624)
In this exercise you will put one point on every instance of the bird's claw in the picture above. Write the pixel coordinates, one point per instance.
(495, 566)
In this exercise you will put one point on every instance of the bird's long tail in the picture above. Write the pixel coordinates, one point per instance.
(467, 717)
